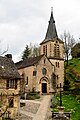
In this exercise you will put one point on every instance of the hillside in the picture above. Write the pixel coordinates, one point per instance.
(72, 72)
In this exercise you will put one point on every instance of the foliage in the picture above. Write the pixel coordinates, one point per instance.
(78, 98)
(3, 118)
(31, 50)
(72, 73)
(71, 105)
(66, 84)
(33, 95)
(75, 51)
(54, 102)
(26, 52)
(72, 102)
(34, 50)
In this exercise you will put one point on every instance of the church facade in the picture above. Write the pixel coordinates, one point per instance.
(43, 73)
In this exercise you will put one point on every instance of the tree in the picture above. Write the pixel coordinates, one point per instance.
(26, 52)
(75, 51)
(69, 42)
(31, 51)
(35, 50)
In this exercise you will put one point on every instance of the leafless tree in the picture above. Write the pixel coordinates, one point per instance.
(69, 42)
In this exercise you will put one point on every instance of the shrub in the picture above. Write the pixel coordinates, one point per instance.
(33, 95)
(78, 98)
(54, 102)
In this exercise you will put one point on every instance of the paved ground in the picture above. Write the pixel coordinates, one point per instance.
(36, 109)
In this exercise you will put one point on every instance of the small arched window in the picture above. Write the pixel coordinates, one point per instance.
(44, 71)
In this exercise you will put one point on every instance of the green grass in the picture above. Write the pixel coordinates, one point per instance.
(71, 105)
(75, 63)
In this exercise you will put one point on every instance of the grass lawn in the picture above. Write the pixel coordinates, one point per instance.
(71, 105)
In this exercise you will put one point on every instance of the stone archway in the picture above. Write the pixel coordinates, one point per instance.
(44, 84)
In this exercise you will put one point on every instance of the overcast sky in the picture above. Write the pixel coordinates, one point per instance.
(25, 21)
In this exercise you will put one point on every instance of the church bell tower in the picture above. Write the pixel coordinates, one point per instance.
(53, 48)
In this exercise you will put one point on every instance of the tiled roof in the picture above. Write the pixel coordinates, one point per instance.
(8, 68)
(28, 62)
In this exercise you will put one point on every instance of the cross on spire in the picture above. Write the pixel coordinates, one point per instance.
(51, 9)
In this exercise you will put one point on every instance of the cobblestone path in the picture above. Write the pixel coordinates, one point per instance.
(36, 109)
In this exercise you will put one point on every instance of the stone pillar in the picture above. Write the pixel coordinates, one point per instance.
(61, 110)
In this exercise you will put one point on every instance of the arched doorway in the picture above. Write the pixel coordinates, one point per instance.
(44, 84)
(44, 87)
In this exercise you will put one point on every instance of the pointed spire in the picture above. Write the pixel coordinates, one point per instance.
(51, 31)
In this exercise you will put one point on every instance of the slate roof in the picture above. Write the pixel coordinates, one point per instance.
(8, 68)
(51, 31)
(28, 62)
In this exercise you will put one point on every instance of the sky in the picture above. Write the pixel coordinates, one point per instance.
(25, 21)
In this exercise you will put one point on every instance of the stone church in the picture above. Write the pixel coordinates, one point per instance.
(43, 73)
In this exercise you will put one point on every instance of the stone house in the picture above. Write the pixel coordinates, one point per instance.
(45, 72)
(9, 87)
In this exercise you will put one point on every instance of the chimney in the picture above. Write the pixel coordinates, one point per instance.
(9, 56)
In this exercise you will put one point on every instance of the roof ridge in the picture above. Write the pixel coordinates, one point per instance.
(28, 62)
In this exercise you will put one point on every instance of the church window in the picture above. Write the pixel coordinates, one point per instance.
(27, 80)
(34, 73)
(56, 64)
(50, 49)
(44, 71)
(45, 50)
(44, 61)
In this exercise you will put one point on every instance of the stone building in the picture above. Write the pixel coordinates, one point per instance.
(44, 72)
(9, 87)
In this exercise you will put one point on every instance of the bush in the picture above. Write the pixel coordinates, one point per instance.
(78, 98)
(54, 102)
(33, 95)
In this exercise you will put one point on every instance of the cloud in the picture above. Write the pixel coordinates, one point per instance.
(26, 21)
